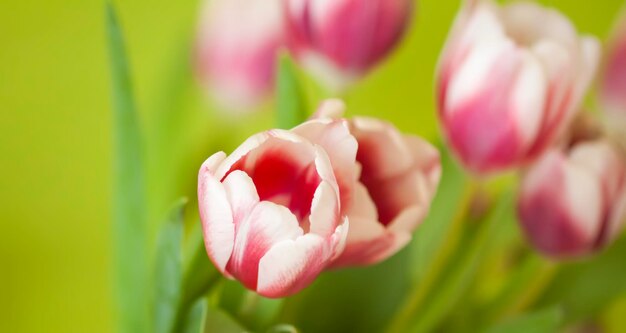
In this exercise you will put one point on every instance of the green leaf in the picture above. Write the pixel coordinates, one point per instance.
(291, 106)
(543, 321)
(168, 270)
(586, 287)
(196, 320)
(199, 277)
(129, 216)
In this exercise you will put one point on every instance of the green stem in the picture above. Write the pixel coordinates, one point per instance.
(417, 296)
(524, 285)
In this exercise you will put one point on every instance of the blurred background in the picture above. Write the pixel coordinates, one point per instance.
(56, 143)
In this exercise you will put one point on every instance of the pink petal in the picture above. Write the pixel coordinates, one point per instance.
(236, 49)
(338, 240)
(215, 213)
(334, 136)
(367, 252)
(291, 265)
(241, 194)
(382, 151)
(324, 216)
(267, 225)
(426, 159)
(330, 108)
(393, 195)
(560, 207)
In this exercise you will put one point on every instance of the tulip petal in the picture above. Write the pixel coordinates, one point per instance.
(241, 193)
(560, 207)
(427, 160)
(330, 108)
(267, 225)
(215, 213)
(324, 210)
(529, 22)
(291, 265)
(334, 136)
(529, 98)
(382, 149)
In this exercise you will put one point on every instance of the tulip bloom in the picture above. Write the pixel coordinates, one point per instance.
(573, 203)
(271, 212)
(339, 41)
(614, 79)
(397, 177)
(510, 81)
(236, 49)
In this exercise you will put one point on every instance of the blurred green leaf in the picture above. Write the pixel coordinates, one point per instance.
(196, 319)
(543, 321)
(586, 287)
(199, 277)
(291, 105)
(168, 270)
(129, 197)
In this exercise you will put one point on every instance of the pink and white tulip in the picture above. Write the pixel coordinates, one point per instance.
(509, 82)
(236, 49)
(613, 90)
(397, 177)
(340, 40)
(573, 203)
(271, 212)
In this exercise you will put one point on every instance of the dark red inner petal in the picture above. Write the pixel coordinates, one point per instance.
(280, 176)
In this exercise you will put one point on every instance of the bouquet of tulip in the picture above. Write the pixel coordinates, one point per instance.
(322, 222)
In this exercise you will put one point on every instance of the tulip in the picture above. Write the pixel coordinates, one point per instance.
(271, 212)
(236, 49)
(509, 82)
(339, 41)
(613, 90)
(573, 202)
(397, 178)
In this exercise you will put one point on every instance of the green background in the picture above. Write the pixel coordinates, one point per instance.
(56, 145)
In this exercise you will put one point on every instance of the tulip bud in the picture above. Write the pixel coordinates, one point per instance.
(271, 212)
(339, 41)
(236, 49)
(510, 80)
(397, 177)
(573, 203)
(613, 91)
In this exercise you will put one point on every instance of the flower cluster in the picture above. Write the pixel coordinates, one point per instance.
(511, 81)
(331, 192)
(335, 192)
(338, 41)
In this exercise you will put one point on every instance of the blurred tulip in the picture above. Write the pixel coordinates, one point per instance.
(510, 80)
(271, 212)
(614, 77)
(573, 203)
(397, 175)
(236, 49)
(339, 41)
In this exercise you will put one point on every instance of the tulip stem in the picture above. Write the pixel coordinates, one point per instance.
(524, 284)
(190, 295)
(416, 297)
